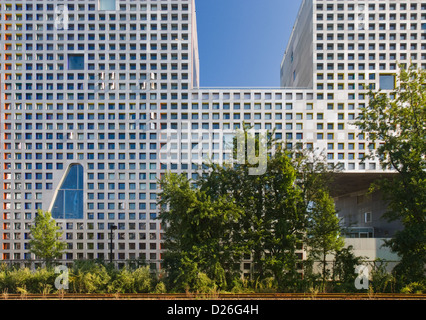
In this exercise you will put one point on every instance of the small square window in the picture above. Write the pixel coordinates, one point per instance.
(76, 62)
(387, 82)
(107, 5)
(367, 217)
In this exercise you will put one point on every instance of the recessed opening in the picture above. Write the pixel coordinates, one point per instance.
(367, 217)
(107, 4)
(76, 61)
(387, 82)
(69, 200)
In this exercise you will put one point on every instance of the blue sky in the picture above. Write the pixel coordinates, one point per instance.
(242, 42)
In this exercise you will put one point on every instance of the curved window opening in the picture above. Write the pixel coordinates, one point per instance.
(68, 203)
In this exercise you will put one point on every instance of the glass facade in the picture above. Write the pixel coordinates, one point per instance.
(68, 203)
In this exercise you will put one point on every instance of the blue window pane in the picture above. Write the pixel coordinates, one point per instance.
(73, 205)
(74, 178)
(107, 4)
(76, 61)
(68, 203)
(387, 82)
(58, 206)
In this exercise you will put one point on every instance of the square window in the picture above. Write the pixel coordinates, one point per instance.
(76, 61)
(107, 4)
(387, 82)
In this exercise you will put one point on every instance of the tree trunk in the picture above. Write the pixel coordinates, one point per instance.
(324, 269)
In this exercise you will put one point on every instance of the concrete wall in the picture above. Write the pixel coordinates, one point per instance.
(371, 249)
(353, 207)
(297, 64)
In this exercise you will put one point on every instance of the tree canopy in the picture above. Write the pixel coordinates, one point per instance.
(45, 240)
(232, 213)
(396, 121)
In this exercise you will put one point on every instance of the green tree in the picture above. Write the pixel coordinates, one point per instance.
(245, 209)
(381, 280)
(323, 232)
(344, 266)
(271, 224)
(45, 240)
(279, 206)
(395, 121)
(199, 233)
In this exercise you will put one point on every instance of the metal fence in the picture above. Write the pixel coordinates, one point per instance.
(34, 264)
(156, 265)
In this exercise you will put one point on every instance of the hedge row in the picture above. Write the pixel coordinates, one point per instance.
(90, 278)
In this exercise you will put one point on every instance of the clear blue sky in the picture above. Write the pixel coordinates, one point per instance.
(242, 42)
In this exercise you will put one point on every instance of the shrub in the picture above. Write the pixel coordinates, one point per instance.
(241, 286)
(267, 285)
(160, 288)
(203, 284)
(89, 279)
(381, 280)
(124, 282)
(414, 287)
(142, 279)
(41, 281)
(17, 278)
(3, 286)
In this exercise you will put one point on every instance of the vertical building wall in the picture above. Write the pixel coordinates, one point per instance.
(362, 215)
(103, 89)
(84, 83)
(194, 48)
(297, 64)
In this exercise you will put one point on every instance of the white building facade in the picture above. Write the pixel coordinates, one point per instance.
(99, 98)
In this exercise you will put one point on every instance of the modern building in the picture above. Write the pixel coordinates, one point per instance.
(100, 97)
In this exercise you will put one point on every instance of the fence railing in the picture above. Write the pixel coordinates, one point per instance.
(33, 264)
(155, 265)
